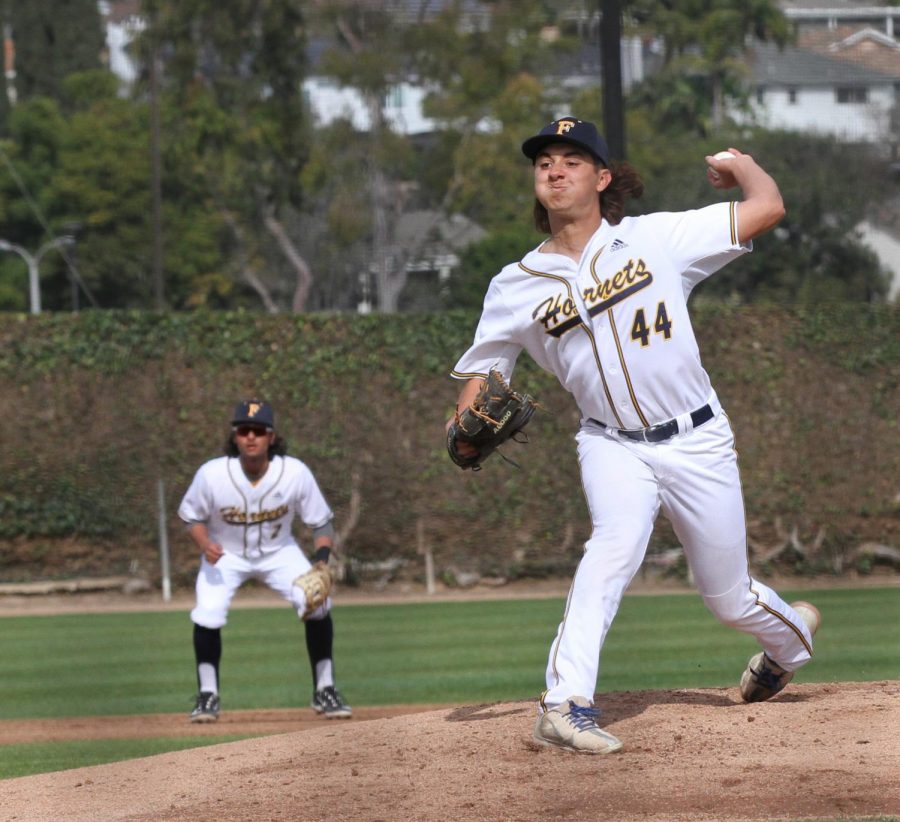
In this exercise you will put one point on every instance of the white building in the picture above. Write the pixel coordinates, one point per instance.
(329, 101)
(799, 90)
(841, 77)
(812, 14)
(123, 22)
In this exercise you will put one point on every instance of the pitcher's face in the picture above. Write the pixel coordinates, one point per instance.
(568, 179)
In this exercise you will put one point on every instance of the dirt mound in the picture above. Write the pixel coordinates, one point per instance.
(815, 752)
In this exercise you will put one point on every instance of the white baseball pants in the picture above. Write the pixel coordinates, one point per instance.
(217, 584)
(693, 478)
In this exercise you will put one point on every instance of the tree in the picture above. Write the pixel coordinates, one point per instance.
(477, 64)
(335, 222)
(482, 260)
(31, 157)
(235, 71)
(53, 39)
(704, 42)
(369, 54)
(91, 169)
(257, 200)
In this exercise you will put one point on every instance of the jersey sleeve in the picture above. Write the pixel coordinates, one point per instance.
(195, 507)
(312, 507)
(702, 241)
(494, 345)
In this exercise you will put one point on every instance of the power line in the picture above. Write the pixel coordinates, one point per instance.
(36, 209)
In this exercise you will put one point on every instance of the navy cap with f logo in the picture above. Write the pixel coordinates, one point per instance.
(580, 133)
(254, 411)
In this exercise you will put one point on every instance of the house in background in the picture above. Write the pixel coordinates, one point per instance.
(328, 101)
(866, 47)
(841, 77)
(429, 243)
(831, 14)
(800, 90)
(123, 22)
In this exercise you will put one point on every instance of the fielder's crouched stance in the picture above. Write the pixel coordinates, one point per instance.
(602, 304)
(239, 511)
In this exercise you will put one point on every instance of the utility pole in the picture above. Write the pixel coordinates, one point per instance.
(611, 76)
(156, 178)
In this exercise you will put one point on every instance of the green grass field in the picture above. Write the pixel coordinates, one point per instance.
(134, 663)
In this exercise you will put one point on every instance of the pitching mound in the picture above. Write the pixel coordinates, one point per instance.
(815, 752)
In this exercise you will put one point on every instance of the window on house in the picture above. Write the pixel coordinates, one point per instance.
(852, 94)
(792, 95)
(760, 94)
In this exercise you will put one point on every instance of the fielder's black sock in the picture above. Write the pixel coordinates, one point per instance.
(319, 642)
(207, 651)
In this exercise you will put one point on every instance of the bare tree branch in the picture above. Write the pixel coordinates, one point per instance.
(295, 258)
(247, 271)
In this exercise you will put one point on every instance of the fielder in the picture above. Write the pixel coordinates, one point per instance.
(239, 512)
(602, 304)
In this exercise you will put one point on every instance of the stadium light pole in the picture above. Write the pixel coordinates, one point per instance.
(611, 75)
(33, 262)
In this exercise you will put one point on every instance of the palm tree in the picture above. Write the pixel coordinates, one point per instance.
(704, 40)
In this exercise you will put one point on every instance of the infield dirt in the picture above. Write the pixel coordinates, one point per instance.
(815, 752)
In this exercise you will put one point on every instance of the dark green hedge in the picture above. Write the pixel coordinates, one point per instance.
(100, 406)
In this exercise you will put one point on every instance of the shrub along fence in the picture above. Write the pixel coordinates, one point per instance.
(100, 407)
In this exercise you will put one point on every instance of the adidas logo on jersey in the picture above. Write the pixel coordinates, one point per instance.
(617, 245)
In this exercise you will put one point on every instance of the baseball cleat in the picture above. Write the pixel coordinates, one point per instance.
(329, 702)
(206, 709)
(764, 677)
(572, 726)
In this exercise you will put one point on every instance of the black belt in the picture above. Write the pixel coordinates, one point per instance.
(663, 430)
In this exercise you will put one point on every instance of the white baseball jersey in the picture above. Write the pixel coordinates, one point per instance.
(613, 328)
(251, 520)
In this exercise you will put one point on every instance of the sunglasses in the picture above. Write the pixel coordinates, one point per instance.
(247, 430)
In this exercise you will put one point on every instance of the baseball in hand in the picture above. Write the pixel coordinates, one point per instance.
(721, 155)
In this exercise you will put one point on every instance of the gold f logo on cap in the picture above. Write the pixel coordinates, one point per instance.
(565, 125)
(252, 409)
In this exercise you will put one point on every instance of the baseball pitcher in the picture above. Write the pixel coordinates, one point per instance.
(602, 304)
